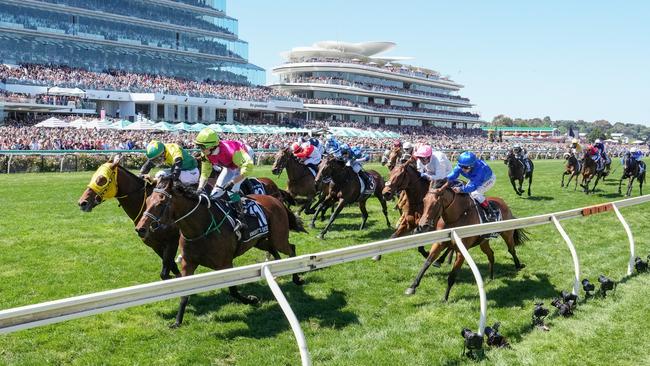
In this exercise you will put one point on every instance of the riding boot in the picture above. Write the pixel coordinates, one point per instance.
(241, 229)
(366, 180)
(490, 215)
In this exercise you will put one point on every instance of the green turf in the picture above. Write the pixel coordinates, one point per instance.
(352, 314)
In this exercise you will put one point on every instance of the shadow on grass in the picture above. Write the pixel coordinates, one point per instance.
(540, 198)
(270, 321)
(609, 195)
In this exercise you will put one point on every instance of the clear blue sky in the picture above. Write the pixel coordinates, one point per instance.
(565, 59)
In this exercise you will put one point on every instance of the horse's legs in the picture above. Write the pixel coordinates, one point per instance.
(509, 238)
(247, 300)
(441, 259)
(530, 182)
(564, 175)
(364, 214)
(512, 181)
(630, 185)
(620, 183)
(436, 248)
(187, 269)
(451, 279)
(332, 218)
(485, 247)
(384, 208)
(576, 185)
(322, 207)
(521, 183)
(169, 252)
(593, 190)
(295, 277)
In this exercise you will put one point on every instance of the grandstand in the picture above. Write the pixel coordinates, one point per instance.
(348, 81)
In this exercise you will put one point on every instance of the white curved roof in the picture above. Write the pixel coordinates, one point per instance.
(344, 49)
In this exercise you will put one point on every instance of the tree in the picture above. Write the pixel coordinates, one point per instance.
(595, 133)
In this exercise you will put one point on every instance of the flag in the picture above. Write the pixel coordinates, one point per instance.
(571, 134)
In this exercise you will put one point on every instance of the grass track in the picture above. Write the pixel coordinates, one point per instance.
(352, 314)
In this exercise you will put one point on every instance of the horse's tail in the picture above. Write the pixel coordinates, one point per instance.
(520, 236)
(287, 198)
(295, 222)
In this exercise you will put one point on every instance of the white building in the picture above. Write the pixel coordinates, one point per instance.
(348, 81)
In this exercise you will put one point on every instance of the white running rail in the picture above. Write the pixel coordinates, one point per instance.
(31, 316)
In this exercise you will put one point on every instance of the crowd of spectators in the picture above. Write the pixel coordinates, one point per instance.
(62, 100)
(22, 135)
(375, 87)
(65, 76)
(398, 69)
(388, 108)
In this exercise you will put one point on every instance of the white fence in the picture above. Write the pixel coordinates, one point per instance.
(36, 315)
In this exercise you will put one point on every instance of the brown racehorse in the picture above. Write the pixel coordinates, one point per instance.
(405, 178)
(345, 189)
(632, 169)
(300, 180)
(572, 168)
(457, 209)
(209, 238)
(131, 192)
(394, 157)
(589, 171)
(517, 172)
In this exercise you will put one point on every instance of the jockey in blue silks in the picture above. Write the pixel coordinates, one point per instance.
(480, 177)
(332, 146)
(354, 157)
(598, 144)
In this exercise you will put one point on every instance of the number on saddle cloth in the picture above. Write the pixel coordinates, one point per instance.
(252, 186)
(255, 219)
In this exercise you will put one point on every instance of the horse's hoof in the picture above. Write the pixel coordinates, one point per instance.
(320, 236)
(436, 264)
(251, 300)
(376, 258)
(521, 266)
(176, 325)
(298, 281)
(312, 225)
(409, 291)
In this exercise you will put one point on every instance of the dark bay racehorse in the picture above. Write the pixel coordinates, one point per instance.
(589, 171)
(405, 178)
(517, 172)
(457, 209)
(632, 169)
(346, 189)
(572, 168)
(112, 180)
(300, 180)
(209, 238)
(272, 189)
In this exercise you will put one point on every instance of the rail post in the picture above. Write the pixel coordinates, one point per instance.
(288, 312)
(630, 237)
(574, 255)
(477, 277)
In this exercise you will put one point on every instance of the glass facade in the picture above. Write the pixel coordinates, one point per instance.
(156, 39)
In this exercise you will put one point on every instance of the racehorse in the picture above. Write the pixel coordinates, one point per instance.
(517, 172)
(131, 191)
(632, 169)
(272, 189)
(346, 189)
(405, 178)
(300, 180)
(589, 170)
(457, 209)
(208, 241)
(394, 157)
(572, 168)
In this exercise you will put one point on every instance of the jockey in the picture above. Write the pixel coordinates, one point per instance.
(385, 156)
(636, 154)
(480, 178)
(231, 159)
(432, 165)
(601, 149)
(407, 151)
(575, 147)
(522, 155)
(354, 157)
(308, 153)
(184, 166)
(594, 154)
(332, 146)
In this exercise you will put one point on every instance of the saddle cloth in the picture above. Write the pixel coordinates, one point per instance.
(366, 191)
(254, 217)
(481, 214)
(252, 186)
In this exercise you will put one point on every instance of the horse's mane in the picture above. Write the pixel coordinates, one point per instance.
(440, 183)
(186, 191)
(125, 170)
